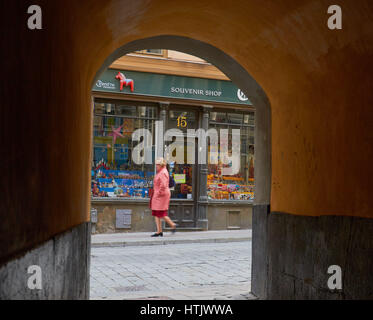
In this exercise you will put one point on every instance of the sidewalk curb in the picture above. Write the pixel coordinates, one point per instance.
(165, 242)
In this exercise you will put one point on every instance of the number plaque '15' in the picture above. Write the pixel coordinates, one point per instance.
(181, 122)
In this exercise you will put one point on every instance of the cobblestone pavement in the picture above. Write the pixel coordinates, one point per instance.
(180, 271)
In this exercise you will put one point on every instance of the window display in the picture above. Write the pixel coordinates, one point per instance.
(183, 176)
(125, 184)
(114, 174)
(241, 185)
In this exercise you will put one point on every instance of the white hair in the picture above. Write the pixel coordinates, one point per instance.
(162, 162)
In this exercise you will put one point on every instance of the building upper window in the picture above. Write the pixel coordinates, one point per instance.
(156, 52)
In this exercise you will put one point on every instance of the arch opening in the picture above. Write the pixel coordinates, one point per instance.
(262, 169)
(238, 75)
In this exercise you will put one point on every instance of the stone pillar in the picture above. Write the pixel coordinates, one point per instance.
(262, 197)
(202, 221)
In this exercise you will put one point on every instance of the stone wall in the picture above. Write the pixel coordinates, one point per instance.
(224, 216)
(292, 261)
(141, 217)
(64, 261)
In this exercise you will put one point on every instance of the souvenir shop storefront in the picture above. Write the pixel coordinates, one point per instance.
(203, 198)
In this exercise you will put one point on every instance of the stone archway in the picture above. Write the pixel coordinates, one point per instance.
(318, 80)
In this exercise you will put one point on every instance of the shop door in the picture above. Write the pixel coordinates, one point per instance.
(184, 195)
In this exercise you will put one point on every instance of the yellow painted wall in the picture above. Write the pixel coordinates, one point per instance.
(319, 83)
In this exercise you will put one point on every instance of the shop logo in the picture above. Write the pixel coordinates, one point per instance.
(241, 95)
(105, 85)
(124, 81)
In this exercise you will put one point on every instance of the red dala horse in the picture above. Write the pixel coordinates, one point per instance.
(125, 82)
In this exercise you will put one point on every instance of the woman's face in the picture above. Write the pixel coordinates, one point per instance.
(158, 167)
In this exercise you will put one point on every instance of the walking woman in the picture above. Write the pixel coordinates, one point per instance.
(160, 198)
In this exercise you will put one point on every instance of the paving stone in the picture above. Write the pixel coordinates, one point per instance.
(205, 271)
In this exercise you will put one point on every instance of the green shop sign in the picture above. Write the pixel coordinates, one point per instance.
(161, 85)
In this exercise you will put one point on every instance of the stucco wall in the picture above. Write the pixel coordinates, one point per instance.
(141, 217)
(223, 217)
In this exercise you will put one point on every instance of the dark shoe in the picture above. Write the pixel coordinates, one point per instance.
(173, 230)
(157, 234)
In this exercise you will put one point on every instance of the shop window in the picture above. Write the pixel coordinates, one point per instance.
(239, 186)
(235, 118)
(218, 116)
(126, 111)
(154, 51)
(114, 174)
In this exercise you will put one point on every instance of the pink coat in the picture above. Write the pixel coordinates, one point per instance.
(161, 192)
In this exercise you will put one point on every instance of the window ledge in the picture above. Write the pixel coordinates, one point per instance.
(230, 202)
(116, 200)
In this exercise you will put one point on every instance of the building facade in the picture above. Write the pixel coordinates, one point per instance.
(158, 103)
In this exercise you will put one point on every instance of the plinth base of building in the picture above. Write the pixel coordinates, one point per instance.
(64, 264)
(292, 255)
(203, 224)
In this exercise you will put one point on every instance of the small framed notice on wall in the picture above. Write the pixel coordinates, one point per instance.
(123, 218)
(93, 215)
